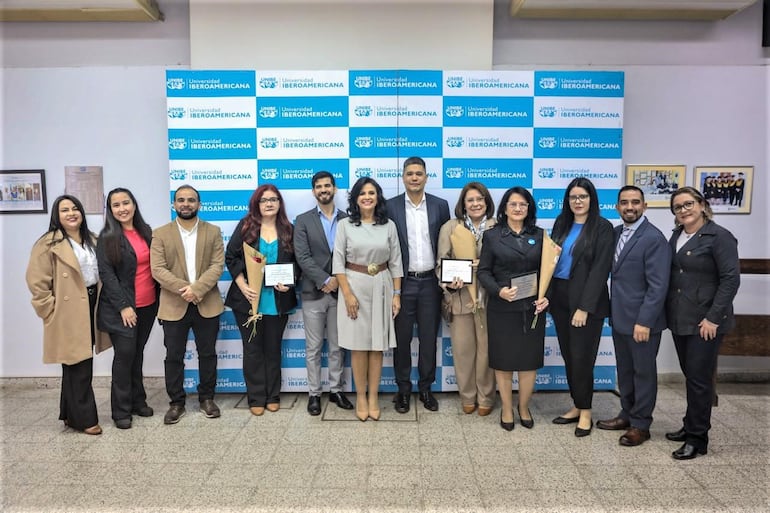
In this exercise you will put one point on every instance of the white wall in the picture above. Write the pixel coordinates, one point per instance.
(696, 94)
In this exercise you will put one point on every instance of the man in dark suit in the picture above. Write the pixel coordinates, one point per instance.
(639, 284)
(314, 233)
(418, 217)
(187, 258)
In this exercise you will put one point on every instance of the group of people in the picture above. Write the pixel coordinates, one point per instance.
(372, 274)
(724, 189)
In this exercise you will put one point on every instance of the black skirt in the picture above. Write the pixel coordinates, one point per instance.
(513, 345)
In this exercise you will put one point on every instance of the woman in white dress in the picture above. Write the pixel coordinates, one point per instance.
(367, 265)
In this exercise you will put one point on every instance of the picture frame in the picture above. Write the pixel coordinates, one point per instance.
(657, 181)
(22, 191)
(727, 188)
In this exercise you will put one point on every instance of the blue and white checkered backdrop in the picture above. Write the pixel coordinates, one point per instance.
(229, 131)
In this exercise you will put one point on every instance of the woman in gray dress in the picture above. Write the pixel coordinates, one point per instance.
(367, 265)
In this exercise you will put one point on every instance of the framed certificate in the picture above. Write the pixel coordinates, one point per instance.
(526, 285)
(279, 273)
(456, 268)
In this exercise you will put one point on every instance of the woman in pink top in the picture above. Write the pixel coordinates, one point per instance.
(128, 301)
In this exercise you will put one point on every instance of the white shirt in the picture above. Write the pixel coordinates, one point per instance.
(421, 256)
(189, 242)
(87, 260)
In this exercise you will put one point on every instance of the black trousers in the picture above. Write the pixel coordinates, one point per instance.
(128, 392)
(262, 357)
(637, 377)
(421, 304)
(578, 346)
(175, 334)
(77, 404)
(698, 361)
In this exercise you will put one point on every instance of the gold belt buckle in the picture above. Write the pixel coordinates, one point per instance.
(372, 269)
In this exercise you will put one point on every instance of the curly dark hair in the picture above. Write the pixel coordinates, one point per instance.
(380, 209)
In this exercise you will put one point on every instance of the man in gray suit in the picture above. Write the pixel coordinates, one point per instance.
(639, 284)
(314, 233)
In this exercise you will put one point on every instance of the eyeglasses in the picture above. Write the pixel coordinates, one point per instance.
(687, 205)
(514, 205)
(262, 201)
(578, 197)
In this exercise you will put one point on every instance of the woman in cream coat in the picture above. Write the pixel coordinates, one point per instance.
(474, 214)
(62, 277)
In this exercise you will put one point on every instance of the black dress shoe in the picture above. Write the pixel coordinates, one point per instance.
(143, 411)
(677, 436)
(123, 423)
(174, 413)
(340, 400)
(430, 402)
(508, 426)
(565, 420)
(580, 432)
(687, 452)
(402, 402)
(527, 423)
(314, 405)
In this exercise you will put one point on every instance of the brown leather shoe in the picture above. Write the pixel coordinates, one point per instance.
(634, 436)
(469, 408)
(484, 411)
(274, 407)
(257, 410)
(614, 424)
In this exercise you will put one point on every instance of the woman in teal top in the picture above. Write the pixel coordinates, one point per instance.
(267, 229)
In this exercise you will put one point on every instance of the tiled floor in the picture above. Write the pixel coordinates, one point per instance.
(423, 461)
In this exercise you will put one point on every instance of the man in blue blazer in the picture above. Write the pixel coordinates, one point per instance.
(314, 233)
(639, 284)
(418, 217)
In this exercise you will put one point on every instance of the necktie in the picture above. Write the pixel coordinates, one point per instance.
(622, 241)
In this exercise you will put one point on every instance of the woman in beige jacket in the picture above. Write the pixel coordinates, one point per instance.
(461, 238)
(62, 276)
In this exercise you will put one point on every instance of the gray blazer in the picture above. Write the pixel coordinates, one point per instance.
(312, 251)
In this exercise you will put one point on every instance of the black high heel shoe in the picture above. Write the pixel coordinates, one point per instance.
(527, 423)
(508, 426)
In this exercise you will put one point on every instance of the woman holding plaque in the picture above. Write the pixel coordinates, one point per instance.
(705, 275)
(510, 259)
(367, 264)
(62, 276)
(461, 238)
(267, 234)
(579, 292)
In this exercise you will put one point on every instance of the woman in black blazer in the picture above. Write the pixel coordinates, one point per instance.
(128, 301)
(266, 229)
(579, 297)
(705, 275)
(512, 248)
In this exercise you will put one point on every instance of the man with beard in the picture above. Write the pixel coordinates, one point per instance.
(639, 284)
(187, 258)
(314, 233)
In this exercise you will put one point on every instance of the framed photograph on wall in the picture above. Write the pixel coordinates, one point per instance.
(727, 188)
(22, 191)
(657, 182)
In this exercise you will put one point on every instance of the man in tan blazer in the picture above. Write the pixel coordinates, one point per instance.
(187, 258)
